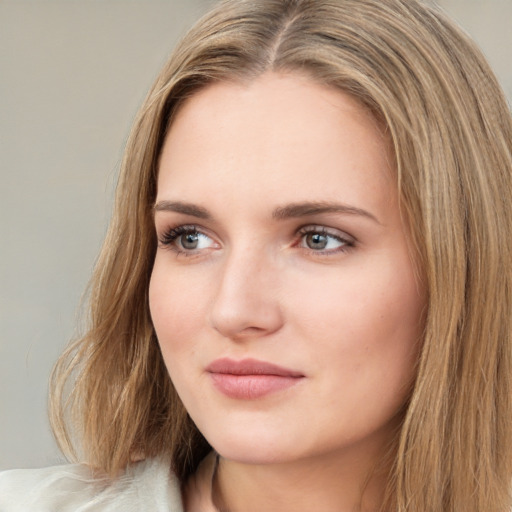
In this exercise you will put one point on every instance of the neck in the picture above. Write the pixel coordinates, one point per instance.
(333, 482)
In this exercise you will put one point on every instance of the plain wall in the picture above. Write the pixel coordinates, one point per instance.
(72, 75)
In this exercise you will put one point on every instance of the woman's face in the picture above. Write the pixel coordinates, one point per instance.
(283, 293)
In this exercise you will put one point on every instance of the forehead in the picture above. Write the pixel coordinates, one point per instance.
(271, 100)
(283, 134)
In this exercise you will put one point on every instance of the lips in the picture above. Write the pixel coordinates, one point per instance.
(250, 379)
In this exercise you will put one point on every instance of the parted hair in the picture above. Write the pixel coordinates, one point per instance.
(450, 126)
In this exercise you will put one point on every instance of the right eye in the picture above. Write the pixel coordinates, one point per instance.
(185, 239)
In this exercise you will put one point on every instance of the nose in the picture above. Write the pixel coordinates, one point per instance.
(247, 302)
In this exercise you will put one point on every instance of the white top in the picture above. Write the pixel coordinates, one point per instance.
(146, 486)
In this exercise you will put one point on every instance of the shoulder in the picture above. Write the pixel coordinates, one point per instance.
(147, 485)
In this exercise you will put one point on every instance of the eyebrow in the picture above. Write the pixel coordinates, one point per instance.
(289, 211)
(181, 207)
(315, 208)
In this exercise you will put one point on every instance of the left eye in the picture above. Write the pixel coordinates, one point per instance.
(322, 241)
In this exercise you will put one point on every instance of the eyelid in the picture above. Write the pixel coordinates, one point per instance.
(168, 236)
(347, 241)
(335, 232)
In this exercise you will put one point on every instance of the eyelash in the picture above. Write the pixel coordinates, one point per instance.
(168, 238)
(347, 241)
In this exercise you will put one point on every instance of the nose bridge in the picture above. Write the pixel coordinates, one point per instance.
(247, 298)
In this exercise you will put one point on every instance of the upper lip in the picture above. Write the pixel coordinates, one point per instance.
(250, 367)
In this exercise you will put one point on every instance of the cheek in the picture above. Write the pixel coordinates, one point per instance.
(175, 311)
(366, 324)
(175, 308)
(376, 298)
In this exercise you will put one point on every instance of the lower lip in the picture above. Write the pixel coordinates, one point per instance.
(250, 387)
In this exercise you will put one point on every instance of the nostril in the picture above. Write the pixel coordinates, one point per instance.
(255, 316)
(245, 303)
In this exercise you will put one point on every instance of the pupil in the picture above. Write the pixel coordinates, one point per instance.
(189, 241)
(316, 241)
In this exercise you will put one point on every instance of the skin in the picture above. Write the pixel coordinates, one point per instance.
(347, 317)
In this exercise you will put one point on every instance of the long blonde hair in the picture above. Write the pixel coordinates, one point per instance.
(451, 130)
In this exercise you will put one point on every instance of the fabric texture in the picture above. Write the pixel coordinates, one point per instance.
(147, 486)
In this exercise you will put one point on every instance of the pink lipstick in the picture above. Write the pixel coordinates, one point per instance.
(249, 379)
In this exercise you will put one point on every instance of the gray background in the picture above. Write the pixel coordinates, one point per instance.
(72, 75)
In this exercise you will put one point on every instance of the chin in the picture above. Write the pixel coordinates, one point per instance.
(256, 454)
(254, 446)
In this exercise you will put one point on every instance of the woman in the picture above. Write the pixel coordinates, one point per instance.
(303, 301)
